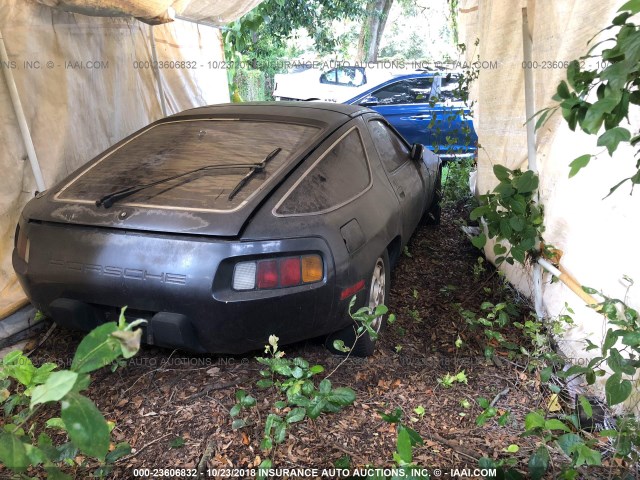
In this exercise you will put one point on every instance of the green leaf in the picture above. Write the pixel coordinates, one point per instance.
(616, 389)
(563, 90)
(595, 113)
(543, 117)
(55, 422)
(610, 340)
(539, 463)
(578, 164)
(586, 406)
(405, 452)
(280, 432)
(505, 231)
(264, 383)
(238, 423)
(480, 241)
(87, 428)
(122, 449)
(545, 374)
(57, 386)
(527, 182)
(478, 212)
(315, 407)
(342, 396)
(567, 442)
(97, 349)
(631, 339)
(632, 6)
(325, 386)
(12, 452)
(414, 436)
(533, 420)
(295, 415)
(555, 424)
(504, 189)
(263, 469)
(502, 173)
(513, 448)
(42, 373)
(517, 223)
(611, 138)
(586, 455)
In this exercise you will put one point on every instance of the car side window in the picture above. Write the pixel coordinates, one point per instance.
(340, 175)
(347, 76)
(412, 90)
(392, 150)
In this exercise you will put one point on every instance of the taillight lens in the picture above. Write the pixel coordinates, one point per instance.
(278, 273)
(312, 269)
(267, 274)
(22, 244)
(290, 272)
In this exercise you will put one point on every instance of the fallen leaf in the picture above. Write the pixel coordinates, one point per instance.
(553, 405)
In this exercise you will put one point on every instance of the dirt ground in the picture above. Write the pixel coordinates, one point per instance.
(174, 409)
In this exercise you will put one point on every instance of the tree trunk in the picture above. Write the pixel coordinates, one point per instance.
(372, 29)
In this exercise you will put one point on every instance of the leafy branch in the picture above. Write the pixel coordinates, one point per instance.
(615, 78)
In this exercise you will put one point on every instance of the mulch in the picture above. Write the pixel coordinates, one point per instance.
(173, 408)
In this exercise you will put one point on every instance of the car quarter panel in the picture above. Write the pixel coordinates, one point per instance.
(373, 215)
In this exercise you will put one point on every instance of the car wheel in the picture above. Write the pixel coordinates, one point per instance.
(378, 294)
(433, 214)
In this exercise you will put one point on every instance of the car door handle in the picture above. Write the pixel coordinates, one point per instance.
(420, 117)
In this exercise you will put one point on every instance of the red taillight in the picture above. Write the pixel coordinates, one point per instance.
(277, 273)
(290, 272)
(267, 274)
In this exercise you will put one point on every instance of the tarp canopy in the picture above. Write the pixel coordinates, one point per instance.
(87, 82)
(216, 12)
(598, 235)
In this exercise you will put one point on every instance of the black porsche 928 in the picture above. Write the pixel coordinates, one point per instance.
(225, 224)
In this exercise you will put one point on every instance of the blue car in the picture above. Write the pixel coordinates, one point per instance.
(424, 108)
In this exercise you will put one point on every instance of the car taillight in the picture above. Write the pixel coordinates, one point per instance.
(22, 244)
(267, 274)
(290, 272)
(277, 273)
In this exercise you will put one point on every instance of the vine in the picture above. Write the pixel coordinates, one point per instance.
(511, 214)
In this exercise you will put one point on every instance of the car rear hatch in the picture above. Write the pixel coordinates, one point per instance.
(185, 175)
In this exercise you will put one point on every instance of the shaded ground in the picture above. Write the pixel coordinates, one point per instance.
(162, 396)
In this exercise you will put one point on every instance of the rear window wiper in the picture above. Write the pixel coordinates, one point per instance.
(256, 168)
(112, 198)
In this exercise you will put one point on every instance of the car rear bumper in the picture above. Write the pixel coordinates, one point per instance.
(181, 284)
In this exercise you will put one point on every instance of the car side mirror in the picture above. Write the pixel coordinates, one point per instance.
(416, 152)
(369, 101)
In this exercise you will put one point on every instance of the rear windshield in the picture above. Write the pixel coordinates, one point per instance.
(173, 148)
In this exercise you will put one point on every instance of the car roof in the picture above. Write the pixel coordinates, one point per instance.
(308, 112)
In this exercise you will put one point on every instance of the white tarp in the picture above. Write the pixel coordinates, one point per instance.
(218, 12)
(599, 236)
(85, 83)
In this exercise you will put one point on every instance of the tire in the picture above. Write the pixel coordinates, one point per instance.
(433, 214)
(379, 288)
